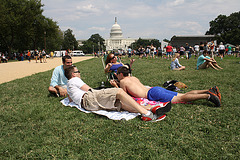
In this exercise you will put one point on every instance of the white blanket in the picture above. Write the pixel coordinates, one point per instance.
(114, 115)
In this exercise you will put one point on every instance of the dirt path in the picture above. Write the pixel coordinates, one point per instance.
(15, 70)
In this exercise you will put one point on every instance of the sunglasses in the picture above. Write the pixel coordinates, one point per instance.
(113, 57)
(76, 72)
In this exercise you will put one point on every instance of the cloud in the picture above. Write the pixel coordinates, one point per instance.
(89, 9)
(97, 28)
(176, 2)
(137, 18)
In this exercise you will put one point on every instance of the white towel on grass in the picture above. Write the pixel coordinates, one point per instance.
(114, 115)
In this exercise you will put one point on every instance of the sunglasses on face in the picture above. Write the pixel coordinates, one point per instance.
(76, 72)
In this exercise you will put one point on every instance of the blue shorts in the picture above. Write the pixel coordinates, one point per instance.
(160, 94)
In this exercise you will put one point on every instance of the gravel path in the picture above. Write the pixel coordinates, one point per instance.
(14, 70)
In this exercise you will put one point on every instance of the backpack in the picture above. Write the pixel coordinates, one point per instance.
(174, 85)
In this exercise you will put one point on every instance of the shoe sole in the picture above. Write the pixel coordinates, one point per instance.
(217, 105)
(160, 118)
(218, 92)
(163, 110)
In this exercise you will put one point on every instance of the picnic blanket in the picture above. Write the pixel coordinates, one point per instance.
(114, 115)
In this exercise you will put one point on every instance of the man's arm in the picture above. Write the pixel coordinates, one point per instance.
(54, 79)
(62, 91)
(114, 83)
(85, 87)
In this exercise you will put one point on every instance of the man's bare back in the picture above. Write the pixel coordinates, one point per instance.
(134, 87)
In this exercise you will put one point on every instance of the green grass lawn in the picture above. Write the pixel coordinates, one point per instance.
(35, 125)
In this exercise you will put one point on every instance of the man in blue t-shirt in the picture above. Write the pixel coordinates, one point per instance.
(58, 85)
(204, 61)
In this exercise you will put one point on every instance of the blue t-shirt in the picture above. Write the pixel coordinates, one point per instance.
(115, 67)
(201, 60)
(58, 77)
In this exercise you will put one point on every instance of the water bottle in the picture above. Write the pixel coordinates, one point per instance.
(102, 85)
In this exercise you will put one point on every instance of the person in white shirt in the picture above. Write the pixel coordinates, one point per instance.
(115, 99)
(221, 49)
(196, 50)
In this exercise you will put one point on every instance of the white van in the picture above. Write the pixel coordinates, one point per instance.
(77, 53)
(59, 53)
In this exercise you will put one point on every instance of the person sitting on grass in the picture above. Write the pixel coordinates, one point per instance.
(175, 65)
(112, 64)
(204, 61)
(114, 99)
(58, 85)
(135, 88)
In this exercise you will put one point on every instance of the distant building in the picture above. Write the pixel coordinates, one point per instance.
(116, 40)
(178, 41)
(80, 42)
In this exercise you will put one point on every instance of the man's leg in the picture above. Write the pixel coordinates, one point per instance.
(129, 104)
(211, 65)
(203, 66)
(189, 97)
(216, 65)
(194, 96)
(197, 92)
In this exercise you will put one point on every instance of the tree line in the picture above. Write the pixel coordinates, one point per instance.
(23, 27)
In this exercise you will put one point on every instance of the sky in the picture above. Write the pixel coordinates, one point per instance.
(159, 19)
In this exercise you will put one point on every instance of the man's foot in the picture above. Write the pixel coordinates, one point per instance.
(214, 98)
(162, 108)
(152, 117)
(159, 118)
(216, 91)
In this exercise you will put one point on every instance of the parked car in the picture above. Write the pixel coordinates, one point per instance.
(77, 53)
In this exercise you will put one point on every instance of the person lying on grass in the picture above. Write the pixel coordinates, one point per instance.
(108, 99)
(58, 85)
(135, 88)
(204, 61)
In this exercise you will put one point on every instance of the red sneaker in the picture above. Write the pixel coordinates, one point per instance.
(162, 108)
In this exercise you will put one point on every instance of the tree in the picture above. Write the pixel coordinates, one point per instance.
(226, 28)
(16, 20)
(94, 43)
(24, 27)
(145, 43)
(69, 41)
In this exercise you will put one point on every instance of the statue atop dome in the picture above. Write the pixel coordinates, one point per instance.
(116, 31)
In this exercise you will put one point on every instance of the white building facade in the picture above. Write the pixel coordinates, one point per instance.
(116, 40)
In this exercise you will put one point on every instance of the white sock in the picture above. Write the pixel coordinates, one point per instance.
(148, 113)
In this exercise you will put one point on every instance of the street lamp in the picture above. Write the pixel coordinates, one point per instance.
(45, 40)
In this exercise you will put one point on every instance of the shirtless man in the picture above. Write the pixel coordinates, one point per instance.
(135, 88)
(108, 99)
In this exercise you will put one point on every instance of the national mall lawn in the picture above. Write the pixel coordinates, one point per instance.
(35, 125)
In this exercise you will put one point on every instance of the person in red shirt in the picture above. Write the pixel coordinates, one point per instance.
(169, 50)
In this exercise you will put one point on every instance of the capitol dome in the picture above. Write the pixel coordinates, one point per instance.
(116, 31)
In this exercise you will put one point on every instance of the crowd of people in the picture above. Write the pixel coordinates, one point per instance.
(186, 50)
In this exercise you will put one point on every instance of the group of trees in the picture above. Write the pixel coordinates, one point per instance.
(226, 28)
(23, 27)
(94, 44)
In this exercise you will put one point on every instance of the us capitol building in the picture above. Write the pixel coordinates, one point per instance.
(116, 40)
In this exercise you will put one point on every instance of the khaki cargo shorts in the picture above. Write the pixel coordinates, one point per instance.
(104, 99)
